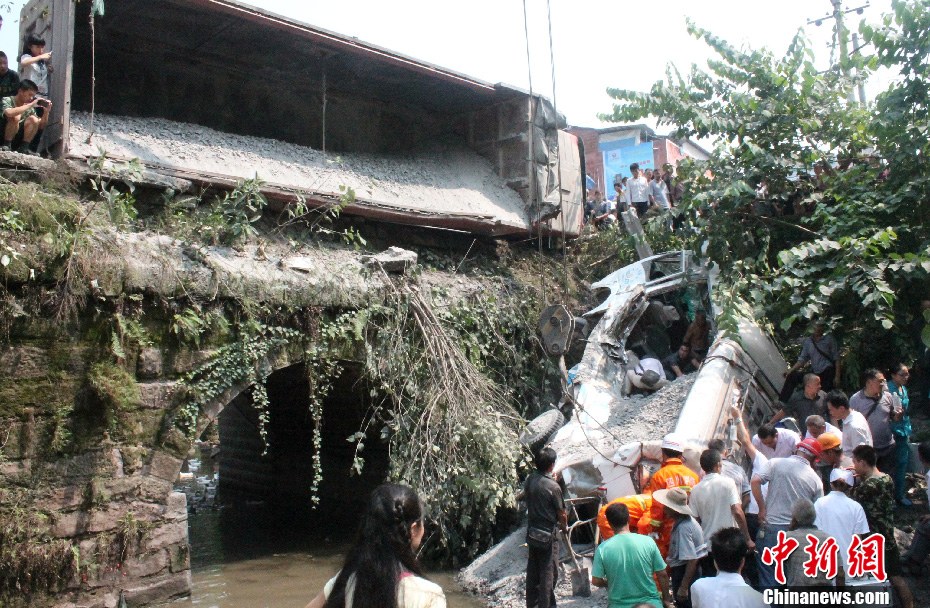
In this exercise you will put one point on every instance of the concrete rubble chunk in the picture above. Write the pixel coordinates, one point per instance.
(393, 260)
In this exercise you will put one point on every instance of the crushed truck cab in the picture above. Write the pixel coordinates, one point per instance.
(610, 444)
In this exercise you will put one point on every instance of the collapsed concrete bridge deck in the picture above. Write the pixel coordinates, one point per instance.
(207, 63)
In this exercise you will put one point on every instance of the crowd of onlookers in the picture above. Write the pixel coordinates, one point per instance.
(824, 476)
(648, 193)
(24, 97)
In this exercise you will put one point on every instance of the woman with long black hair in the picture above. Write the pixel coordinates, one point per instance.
(381, 569)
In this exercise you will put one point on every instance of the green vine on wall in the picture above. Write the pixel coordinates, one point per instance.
(321, 372)
(240, 363)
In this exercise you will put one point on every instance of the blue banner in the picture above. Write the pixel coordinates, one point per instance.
(619, 155)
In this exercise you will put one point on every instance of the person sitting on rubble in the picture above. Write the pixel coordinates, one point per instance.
(673, 474)
(646, 374)
(679, 362)
(22, 122)
(698, 337)
(774, 442)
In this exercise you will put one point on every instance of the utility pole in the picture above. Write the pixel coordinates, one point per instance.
(841, 36)
(842, 39)
(855, 41)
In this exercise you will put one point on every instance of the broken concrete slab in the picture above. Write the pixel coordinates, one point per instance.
(447, 183)
(392, 260)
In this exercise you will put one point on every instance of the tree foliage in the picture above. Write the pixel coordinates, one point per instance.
(814, 206)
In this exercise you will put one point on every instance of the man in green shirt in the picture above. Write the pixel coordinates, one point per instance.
(22, 121)
(625, 564)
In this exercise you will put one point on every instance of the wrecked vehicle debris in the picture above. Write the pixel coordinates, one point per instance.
(610, 444)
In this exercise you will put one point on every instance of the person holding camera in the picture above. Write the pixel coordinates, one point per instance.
(35, 65)
(22, 120)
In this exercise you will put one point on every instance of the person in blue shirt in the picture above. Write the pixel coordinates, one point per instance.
(901, 430)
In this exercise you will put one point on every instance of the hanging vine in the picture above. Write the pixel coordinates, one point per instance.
(451, 431)
(322, 371)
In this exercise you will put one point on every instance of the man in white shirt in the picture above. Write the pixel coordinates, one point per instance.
(716, 503)
(732, 470)
(789, 479)
(637, 191)
(759, 461)
(852, 425)
(775, 442)
(840, 516)
(727, 589)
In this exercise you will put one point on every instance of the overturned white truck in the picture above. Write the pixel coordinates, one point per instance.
(610, 444)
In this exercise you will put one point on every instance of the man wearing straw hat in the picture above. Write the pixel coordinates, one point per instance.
(686, 547)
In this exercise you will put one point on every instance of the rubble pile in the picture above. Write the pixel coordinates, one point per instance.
(499, 574)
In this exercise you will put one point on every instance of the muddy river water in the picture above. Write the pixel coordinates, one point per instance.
(248, 555)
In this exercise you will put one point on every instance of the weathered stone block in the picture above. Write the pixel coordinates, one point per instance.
(24, 362)
(177, 506)
(157, 395)
(14, 469)
(101, 520)
(93, 463)
(164, 466)
(159, 588)
(150, 364)
(133, 458)
(179, 557)
(123, 487)
(145, 565)
(68, 497)
(155, 489)
(186, 360)
(166, 534)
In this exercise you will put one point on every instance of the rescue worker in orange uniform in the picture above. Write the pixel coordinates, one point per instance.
(673, 474)
(638, 506)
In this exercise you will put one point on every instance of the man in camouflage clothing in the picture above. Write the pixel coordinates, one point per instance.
(874, 490)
